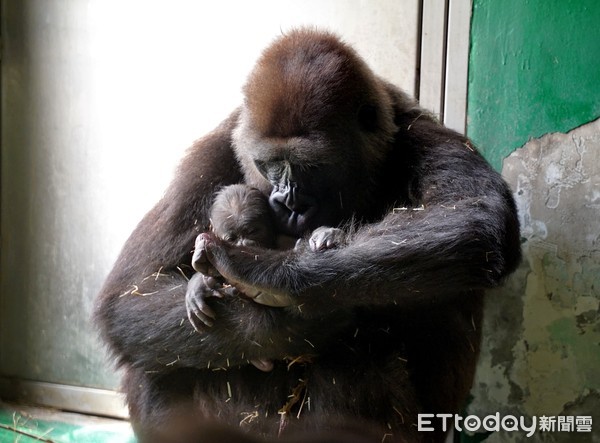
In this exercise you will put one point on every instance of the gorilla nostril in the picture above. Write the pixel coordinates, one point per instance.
(292, 199)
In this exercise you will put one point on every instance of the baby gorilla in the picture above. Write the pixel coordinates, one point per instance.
(241, 215)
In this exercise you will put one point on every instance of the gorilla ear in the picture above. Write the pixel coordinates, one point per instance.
(367, 118)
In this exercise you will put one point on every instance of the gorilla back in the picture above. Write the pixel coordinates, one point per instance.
(429, 226)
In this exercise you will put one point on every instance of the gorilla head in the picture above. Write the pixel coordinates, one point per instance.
(314, 127)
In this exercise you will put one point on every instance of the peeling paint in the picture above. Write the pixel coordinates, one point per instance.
(541, 345)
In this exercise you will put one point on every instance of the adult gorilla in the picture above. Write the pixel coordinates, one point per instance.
(378, 329)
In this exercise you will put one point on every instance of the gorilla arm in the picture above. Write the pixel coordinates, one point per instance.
(459, 234)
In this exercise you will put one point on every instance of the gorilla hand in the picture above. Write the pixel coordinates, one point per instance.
(200, 260)
(221, 258)
(200, 287)
(326, 238)
(236, 264)
(205, 284)
(202, 316)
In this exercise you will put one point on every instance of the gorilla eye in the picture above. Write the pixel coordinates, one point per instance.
(261, 166)
(367, 118)
(272, 170)
(231, 238)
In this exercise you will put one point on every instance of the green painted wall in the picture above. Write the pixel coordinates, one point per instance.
(533, 108)
(534, 68)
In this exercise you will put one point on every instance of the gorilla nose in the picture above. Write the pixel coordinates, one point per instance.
(296, 202)
(293, 210)
(293, 199)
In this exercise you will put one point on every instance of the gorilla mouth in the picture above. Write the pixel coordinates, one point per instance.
(294, 211)
(294, 223)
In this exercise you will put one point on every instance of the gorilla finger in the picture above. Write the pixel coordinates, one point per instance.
(199, 308)
(318, 243)
(201, 240)
(212, 282)
(228, 291)
(273, 300)
(200, 261)
(206, 311)
(200, 320)
(216, 253)
(197, 324)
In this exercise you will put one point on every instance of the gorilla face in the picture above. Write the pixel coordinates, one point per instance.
(316, 171)
(300, 196)
(315, 178)
(313, 130)
(320, 190)
(240, 215)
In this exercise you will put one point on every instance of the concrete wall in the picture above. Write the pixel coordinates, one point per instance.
(535, 75)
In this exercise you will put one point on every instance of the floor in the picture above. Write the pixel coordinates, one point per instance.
(25, 424)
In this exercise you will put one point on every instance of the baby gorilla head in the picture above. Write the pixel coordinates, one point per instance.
(241, 215)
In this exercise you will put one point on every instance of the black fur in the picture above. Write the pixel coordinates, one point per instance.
(383, 327)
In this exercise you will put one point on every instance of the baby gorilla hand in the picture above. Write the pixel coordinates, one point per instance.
(202, 286)
(201, 316)
(199, 289)
(326, 238)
